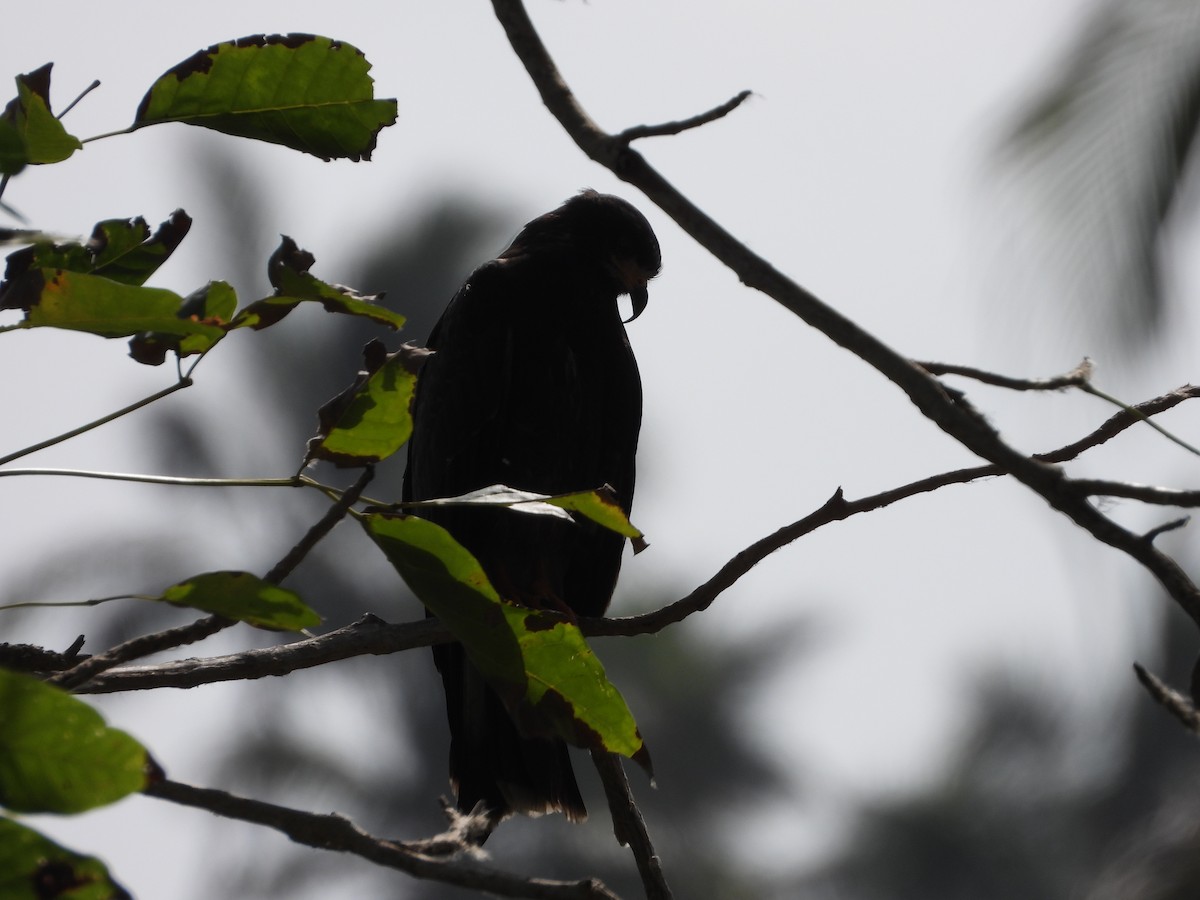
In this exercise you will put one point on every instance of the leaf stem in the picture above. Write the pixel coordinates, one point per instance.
(169, 479)
(38, 604)
(185, 381)
(87, 90)
(108, 134)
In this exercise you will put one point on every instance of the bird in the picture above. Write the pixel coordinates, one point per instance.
(531, 383)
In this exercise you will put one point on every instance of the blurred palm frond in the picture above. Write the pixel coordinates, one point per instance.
(1104, 149)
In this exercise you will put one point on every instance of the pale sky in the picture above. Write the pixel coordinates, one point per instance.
(860, 168)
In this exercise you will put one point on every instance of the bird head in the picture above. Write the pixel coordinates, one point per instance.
(602, 231)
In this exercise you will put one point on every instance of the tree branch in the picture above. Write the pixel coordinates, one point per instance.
(1171, 700)
(1078, 376)
(677, 127)
(183, 382)
(629, 827)
(1147, 493)
(138, 647)
(369, 636)
(952, 414)
(372, 636)
(334, 832)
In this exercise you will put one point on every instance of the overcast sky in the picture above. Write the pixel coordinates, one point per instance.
(860, 167)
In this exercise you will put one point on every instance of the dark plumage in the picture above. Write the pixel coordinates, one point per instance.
(532, 384)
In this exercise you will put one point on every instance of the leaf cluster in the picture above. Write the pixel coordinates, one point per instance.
(311, 94)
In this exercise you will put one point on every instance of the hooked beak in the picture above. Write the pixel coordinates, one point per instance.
(639, 297)
(633, 279)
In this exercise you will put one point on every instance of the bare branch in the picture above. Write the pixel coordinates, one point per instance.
(368, 636)
(629, 827)
(334, 832)
(669, 128)
(144, 645)
(1147, 493)
(1121, 421)
(29, 658)
(371, 635)
(1174, 525)
(950, 413)
(1078, 376)
(1174, 702)
(138, 647)
(183, 382)
(326, 524)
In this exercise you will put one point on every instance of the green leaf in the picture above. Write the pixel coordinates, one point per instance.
(372, 418)
(61, 299)
(306, 92)
(56, 753)
(213, 304)
(288, 272)
(33, 867)
(603, 508)
(14, 155)
(45, 139)
(125, 251)
(452, 584)
(567, 687)
(538, 663)
(121, 250)
(244, 597)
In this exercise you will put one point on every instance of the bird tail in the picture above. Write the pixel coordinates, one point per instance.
(491, 763)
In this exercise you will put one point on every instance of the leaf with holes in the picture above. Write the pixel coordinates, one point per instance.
(306, 92)
(33, 867)
(121, 250)
(371, 419)
(288, 272)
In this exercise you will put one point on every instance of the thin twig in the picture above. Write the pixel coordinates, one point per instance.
(1147, 493)
(337, 833)
(1091, 389)
(176, 480)
(1174, 525)
(669, 128)
(326, 524)
(1077, 377)
(103, 420)
(1174, 702)
(28, 658)
(138, 647)
(629, 827)
(87, 90)
(371, 635)
(176, 637)
(951, 413)
(1119, 422)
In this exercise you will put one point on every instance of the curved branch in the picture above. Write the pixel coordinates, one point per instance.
(670, 128)
(370, 635)
(1174, 702)
(334, 832)
(1147, 493)
(77, 676)
(950, 413)
(1077, 377)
